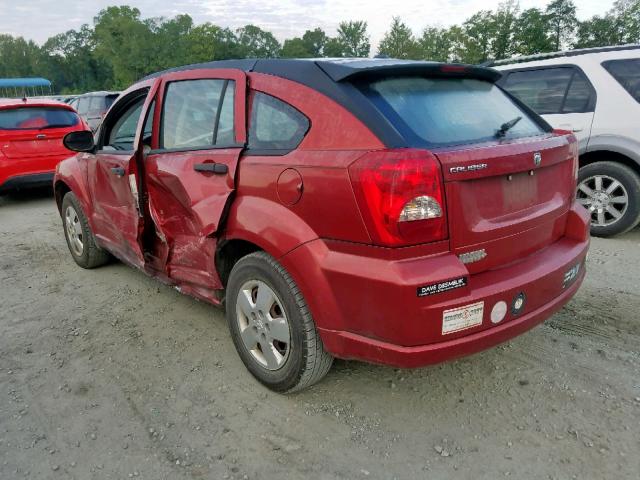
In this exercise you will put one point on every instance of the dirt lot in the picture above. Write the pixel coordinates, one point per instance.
(109, 374)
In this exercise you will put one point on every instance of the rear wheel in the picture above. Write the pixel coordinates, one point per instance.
(271, 325)
(610, 192)
(80, 239)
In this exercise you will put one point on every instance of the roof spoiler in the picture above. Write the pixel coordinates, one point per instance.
(354, 69)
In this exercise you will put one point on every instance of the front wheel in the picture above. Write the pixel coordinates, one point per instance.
(271, 326)
(610, 192)
(79, 236)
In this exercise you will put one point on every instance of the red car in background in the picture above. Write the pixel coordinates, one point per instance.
(391, 211)
(31, 133)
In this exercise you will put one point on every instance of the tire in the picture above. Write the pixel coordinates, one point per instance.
(258, 318)
(604, 197)
(80, 238)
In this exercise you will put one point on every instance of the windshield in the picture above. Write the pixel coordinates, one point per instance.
(31, 118)
(448, 111)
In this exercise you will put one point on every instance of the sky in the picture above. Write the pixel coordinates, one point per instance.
(39, 19)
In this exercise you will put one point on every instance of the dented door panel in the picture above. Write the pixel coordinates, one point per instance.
(115, 214)
(187, 195)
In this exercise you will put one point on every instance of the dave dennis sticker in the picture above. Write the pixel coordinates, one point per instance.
(442, 286)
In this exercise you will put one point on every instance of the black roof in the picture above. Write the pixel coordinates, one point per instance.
(337, 78)
(338, 69)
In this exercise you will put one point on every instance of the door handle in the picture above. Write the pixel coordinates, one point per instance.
(219, 168)
(117, 171)
(41, 136)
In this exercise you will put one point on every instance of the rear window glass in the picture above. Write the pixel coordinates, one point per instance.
(627, 73)
(28, 118)
(440, 111)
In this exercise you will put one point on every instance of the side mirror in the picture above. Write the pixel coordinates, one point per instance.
(79, 141)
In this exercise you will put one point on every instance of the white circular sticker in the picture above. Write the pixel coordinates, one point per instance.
(498, 312)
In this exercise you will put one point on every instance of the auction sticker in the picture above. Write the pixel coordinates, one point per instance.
(440, 287)
(462, 318)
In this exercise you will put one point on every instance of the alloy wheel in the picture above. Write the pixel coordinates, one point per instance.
(604, 197)
(74, 231)
(263, 324)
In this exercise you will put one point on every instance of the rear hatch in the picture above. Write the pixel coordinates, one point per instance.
(33, 131)
(506, 201)
(509, 180)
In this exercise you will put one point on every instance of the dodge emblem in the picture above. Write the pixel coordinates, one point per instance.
(537, 158)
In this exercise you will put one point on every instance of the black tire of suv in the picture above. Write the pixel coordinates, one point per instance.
(630, 181)
(307, 362)
(92, 255)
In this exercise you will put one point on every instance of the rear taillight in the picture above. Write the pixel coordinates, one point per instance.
(401, 196)
(575, 160)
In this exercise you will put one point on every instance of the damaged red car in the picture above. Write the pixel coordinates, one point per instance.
(396, 212)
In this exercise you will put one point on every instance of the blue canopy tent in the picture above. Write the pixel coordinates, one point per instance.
(18, 87)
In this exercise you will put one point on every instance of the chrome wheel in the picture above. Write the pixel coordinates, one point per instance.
(605, 198)
(263, 324)
(74, 231)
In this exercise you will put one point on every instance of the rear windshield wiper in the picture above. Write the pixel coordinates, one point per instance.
(506, 126)
(56, 125)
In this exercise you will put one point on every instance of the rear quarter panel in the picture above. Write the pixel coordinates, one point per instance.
(327, 207)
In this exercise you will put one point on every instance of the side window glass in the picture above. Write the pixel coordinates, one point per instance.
(579, 95)
(275, 125)
(121, 131)
(197, 114)
(96, 107)
(148, 125)
(83, 105)
(542, 90)
(627, 74)
(225, 133)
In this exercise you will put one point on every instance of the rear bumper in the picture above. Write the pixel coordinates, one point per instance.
(33, 180)
(367, 308)
(349, 345)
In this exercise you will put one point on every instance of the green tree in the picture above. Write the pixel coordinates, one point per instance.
(257, 43)
(562, 22)
(315, 41)
(399, 42)
(627, 15)
(19, 57)
(436, 44)
(458, 40)
(207, 42)
(504, 22)
(71, 63)
(172, 40)
(597, 32)
(354, 39)
(295, 48)
(530, 34)
(334, 48)
(479, 34)
(125, 42)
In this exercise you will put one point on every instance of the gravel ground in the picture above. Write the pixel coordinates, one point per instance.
(109, 374)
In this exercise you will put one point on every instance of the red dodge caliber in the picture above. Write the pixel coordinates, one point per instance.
(31, 133)
(396, 212)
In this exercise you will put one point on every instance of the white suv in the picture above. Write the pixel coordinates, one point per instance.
(595, 93)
